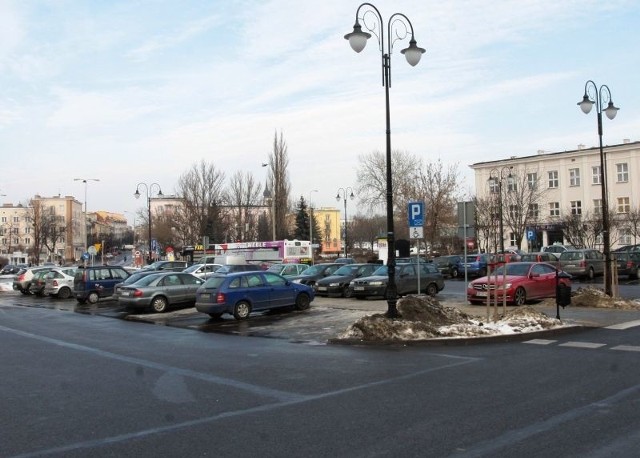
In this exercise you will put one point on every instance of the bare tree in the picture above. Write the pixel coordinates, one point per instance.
(367, 229)
(202, 191)
(52, 229)
(244, 195)
(486, 223)
(631, 222)
(279, 186)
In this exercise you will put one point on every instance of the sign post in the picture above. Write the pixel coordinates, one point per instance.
(416, 231)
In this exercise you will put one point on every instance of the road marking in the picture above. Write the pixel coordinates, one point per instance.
(582, 344)
(540, 341)
(622, 326)
(626, 348)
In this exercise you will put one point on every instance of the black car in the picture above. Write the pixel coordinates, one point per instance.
(315, 273)
(431, 281)
(337, 284)
(448, 265)
(628, 263)
(167, 266)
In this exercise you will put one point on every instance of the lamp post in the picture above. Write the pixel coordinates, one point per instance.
(149, 191)
(345, 191)
(499, 175)
(402, 27)
(311, 224)
(85, 180)
(600, 96)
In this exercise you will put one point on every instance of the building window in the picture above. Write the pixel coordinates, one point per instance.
(553, 179)
(576, 207)
(623, 205)
(625, 236)
(493, 186)
(16, 219)
(4, 241)
(27, 241)
(16, 241)
(512, 239)
(532, 180)
(597, 206)
(599, 240)
(533, 211)
(622, 172)
(554, 209)
(595, 174)
(4, 219)
(14, 230)
(511, 184)
(513, 211)
(574, 177)
(27, 230)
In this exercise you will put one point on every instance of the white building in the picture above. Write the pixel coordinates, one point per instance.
(569, 182)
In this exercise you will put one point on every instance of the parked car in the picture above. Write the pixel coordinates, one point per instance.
(132, 278)
(203, 271)
(231, 268)
(160, 291)
(557, 249)
(475, 264)
(11, 269)
(59, 282)
(584, 263)
(167, 266)
(344, 261)
(37, 283)
(541, 256)
(288, 270)
(628, 263)
(448, 265)
(96, 282)
(431, 281)
(337, 284)
(522, 281)
(627, 248)
(315, 273)
(244, 292)
(22, 281)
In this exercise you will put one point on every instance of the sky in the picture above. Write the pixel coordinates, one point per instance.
(130, 92)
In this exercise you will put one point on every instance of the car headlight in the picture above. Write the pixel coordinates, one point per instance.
(376, 283)
(508, 286)
(297, 280)
(470, 286)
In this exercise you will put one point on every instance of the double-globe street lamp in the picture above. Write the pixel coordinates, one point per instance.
(402, 27)
(311, 224)
(86, 235)
(345, 191)
(496, 177)
(598, 97)
(149, 192)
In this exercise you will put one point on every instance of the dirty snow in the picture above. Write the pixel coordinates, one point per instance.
(422, 317)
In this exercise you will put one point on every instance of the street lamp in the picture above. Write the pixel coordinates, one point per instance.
(593, 95)
(358, 40)
(311, 224)
(499, 175)
(345, 191)
(149, 191)
(85, 180)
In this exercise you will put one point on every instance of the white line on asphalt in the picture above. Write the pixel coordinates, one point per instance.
(582, 344)
(622, 326)
(540, 341)
(626, 348)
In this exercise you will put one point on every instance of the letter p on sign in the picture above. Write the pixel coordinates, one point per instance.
(416, 214)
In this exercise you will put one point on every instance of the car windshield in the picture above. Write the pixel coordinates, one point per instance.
(519, 270)
(346, 270)
(313, 270)
(382, 270)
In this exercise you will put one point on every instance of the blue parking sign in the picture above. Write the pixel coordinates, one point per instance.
(416, 214)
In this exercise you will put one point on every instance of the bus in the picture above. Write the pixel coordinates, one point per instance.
(286, 251)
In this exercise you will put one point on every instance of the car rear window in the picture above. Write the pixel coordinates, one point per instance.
(214, 282)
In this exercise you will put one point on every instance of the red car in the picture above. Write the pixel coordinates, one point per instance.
(523, 281)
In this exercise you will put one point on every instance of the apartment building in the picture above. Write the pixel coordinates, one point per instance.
(569, 183)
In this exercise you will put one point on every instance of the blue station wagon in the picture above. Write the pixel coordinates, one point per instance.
(241, 293)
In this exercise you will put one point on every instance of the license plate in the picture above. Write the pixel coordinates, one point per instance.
(322, 288)
(481, 294)
(358, 288)
(204, 296)
(125, 293)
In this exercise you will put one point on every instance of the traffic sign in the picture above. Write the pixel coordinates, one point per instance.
(416, 232)
(92, 250)
(416, 214)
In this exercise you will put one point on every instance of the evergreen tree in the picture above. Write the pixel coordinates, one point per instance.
(302, 221)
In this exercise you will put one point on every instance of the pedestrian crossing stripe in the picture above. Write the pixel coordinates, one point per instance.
(626, 348)
(622, 326)
(582, 344)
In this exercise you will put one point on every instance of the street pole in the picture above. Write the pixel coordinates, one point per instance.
(344, 196)
(311, 225)
(601, 96)
(358, 40)
(86, 235)
(149, 191)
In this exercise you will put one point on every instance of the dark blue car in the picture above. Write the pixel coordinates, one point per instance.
(241, 293)
(476, 265)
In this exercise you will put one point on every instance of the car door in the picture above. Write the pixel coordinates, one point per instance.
(191, 285)
(173, 288)
(258, 292)
(406, 280)
(280, 292)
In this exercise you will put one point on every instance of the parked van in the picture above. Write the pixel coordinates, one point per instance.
(96, 282)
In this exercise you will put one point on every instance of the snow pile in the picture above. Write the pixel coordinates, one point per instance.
(424, 318)
(595, 297)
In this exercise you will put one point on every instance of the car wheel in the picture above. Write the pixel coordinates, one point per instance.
(303, 301)
(347, 292)
(25, 292)
(93, 297)
(64, 293)
(241, 310)
(520, 296)
(591, 274)
(432, 289)
(159, 304)
(454, 273)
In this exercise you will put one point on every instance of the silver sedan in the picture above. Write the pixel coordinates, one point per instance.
(160, 291)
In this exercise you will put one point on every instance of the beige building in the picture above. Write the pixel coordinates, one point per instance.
(330, 224)
(569, 184)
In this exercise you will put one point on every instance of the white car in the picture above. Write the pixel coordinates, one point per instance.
(203, 271)
(59, 282)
